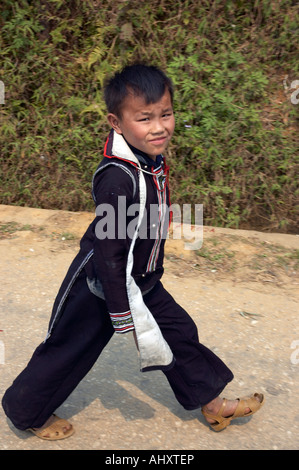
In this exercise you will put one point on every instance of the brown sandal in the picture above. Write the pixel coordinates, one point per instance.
(55, 430)
(222, 422)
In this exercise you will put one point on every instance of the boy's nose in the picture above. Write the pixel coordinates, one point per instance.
(157, 127)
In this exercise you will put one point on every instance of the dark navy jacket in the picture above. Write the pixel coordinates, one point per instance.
(120, 259)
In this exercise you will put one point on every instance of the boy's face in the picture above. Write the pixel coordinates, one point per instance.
(147, 127)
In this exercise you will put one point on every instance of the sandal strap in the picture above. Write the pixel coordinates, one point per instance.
(248, 402)
(217, 417)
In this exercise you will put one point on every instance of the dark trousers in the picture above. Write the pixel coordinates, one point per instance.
(58, 365)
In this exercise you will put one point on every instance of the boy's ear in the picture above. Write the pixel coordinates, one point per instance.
(114, 122)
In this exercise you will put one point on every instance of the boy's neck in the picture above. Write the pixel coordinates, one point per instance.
(142, 154)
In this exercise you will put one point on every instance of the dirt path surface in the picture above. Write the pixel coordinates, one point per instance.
(241, 289)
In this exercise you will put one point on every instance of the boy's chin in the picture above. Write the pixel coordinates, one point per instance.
(156, 151)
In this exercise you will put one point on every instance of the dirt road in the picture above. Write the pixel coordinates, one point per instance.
(242, 290)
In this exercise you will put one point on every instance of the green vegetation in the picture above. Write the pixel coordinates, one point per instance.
(235, 149)
(7, 229)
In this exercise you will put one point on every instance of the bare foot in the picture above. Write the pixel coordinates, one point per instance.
(65, 429)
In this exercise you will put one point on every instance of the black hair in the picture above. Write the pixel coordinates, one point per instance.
(142, 80)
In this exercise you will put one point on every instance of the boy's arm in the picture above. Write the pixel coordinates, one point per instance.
(113, 193)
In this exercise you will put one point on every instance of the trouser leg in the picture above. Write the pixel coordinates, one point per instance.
(198, 375)
(59, 364)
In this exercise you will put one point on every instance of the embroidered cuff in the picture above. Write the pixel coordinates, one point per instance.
(122, 322)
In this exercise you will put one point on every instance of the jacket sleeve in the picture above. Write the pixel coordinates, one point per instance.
(113, 191)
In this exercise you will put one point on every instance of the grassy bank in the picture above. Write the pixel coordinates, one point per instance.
(233, 64)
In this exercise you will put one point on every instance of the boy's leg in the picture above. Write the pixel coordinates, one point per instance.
(198, 375)
(59, 364)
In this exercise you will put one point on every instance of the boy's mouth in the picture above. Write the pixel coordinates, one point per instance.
(158, 140)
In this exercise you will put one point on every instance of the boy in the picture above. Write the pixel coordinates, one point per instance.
(113, 284)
